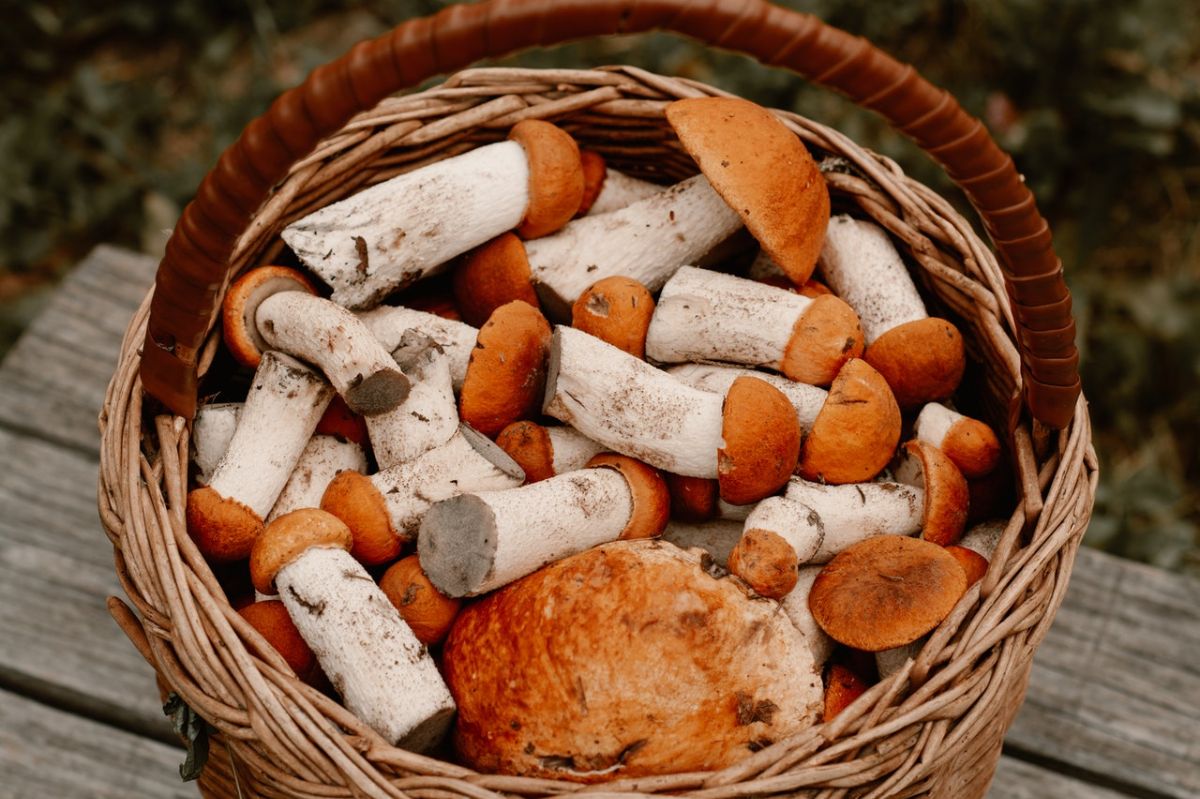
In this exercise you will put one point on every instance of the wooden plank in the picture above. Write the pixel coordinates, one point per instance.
(48, 753)
(54, 378)
(57, 640)
(1116, 685)
(1017, 779)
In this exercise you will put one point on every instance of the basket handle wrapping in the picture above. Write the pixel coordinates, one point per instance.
(193, 271)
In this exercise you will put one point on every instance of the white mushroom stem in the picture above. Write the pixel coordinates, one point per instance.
(475, 543)
(856, 511)
(982, 539)
(717, 538)
(795, 605)
(862, 267)
(890, 661)
(428, 417)
(468, 462)
(646, 241)
(389, 324)
(807, 400)
(630, 407)
(336, 342)
(729, 512)
(385, 676)
(322, 459)
(392, 234)
(284, 404)
(620, 190)
(934, 422)
(709, 316)
(570, 450)
(212, 429)
(797, 524)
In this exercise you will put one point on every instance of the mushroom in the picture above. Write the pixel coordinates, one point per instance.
(646, 241)
(795, 607)
(384, 674)
(716, 537)
(390, 323)
(749, 439)
(474, 543)
(851, 430)
(285, 401)
(270, 618)
(239, 309)
(212, 430)
(885, 592)
(842, 686)
(709, 316)
(606, 189)
(323, 458)
(631, 660)
(341, 422)
(404, 416)
(390, 235)
(920, 356)
(384, 511)
(946, 495)
(507, 369)
(543, 452)
(426, 611)
(969, 443)
(778, 536)
(617, 310)
(761, 168)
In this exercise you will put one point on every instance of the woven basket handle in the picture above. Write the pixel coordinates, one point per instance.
(193, 271)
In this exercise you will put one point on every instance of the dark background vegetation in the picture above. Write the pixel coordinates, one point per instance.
(110, 114)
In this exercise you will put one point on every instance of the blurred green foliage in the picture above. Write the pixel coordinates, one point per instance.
(110, 116)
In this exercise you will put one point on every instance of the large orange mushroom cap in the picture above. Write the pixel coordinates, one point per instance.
(922, 360)
(886, 591)
(763, 171)
(856, 432)
(947, 495)
(491, 275)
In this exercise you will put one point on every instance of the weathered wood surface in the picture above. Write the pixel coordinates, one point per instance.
(48, 754)
(1114, 701)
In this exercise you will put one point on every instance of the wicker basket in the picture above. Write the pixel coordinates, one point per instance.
(933, 729)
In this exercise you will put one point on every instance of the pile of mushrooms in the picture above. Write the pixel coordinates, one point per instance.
(598, 434)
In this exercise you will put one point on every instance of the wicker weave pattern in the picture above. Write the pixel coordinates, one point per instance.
(934, 729)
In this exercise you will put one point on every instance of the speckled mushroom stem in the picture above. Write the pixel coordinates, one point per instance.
(474, 543)
(630, 407)
(385, 676)
(620, 190)
(390, 324)
(716, 537)
(808, 400)
(857, 511)
(384, 510)
(392, 234)
(547, 451)
(429, 416)
(646, 241)
(284, 404)
(709, 316)
(322, 459)
(795, 605)
(212, 430)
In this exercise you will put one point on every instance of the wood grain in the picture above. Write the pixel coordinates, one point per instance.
(57, 640)
(1016, 779)
(55, 376)
(46, 753)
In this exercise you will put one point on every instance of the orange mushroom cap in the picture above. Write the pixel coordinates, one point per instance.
(355, 500)
(506, 375)
(272, 621)
(341, 422)
(922, 360)
(594, 173)
(223, 529)
(290, 536)
(946, 492)
(555, 176)
(766, 561)
(762, 441)
(973, 564)
(972, 446)
(491, 275)
(617, 310)
(886, 591)
(651, 501)
(693, 499)
(856, 433)
(763, 171)
(826, 336)
(528, 443)
(426, 610)
(842, 686)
